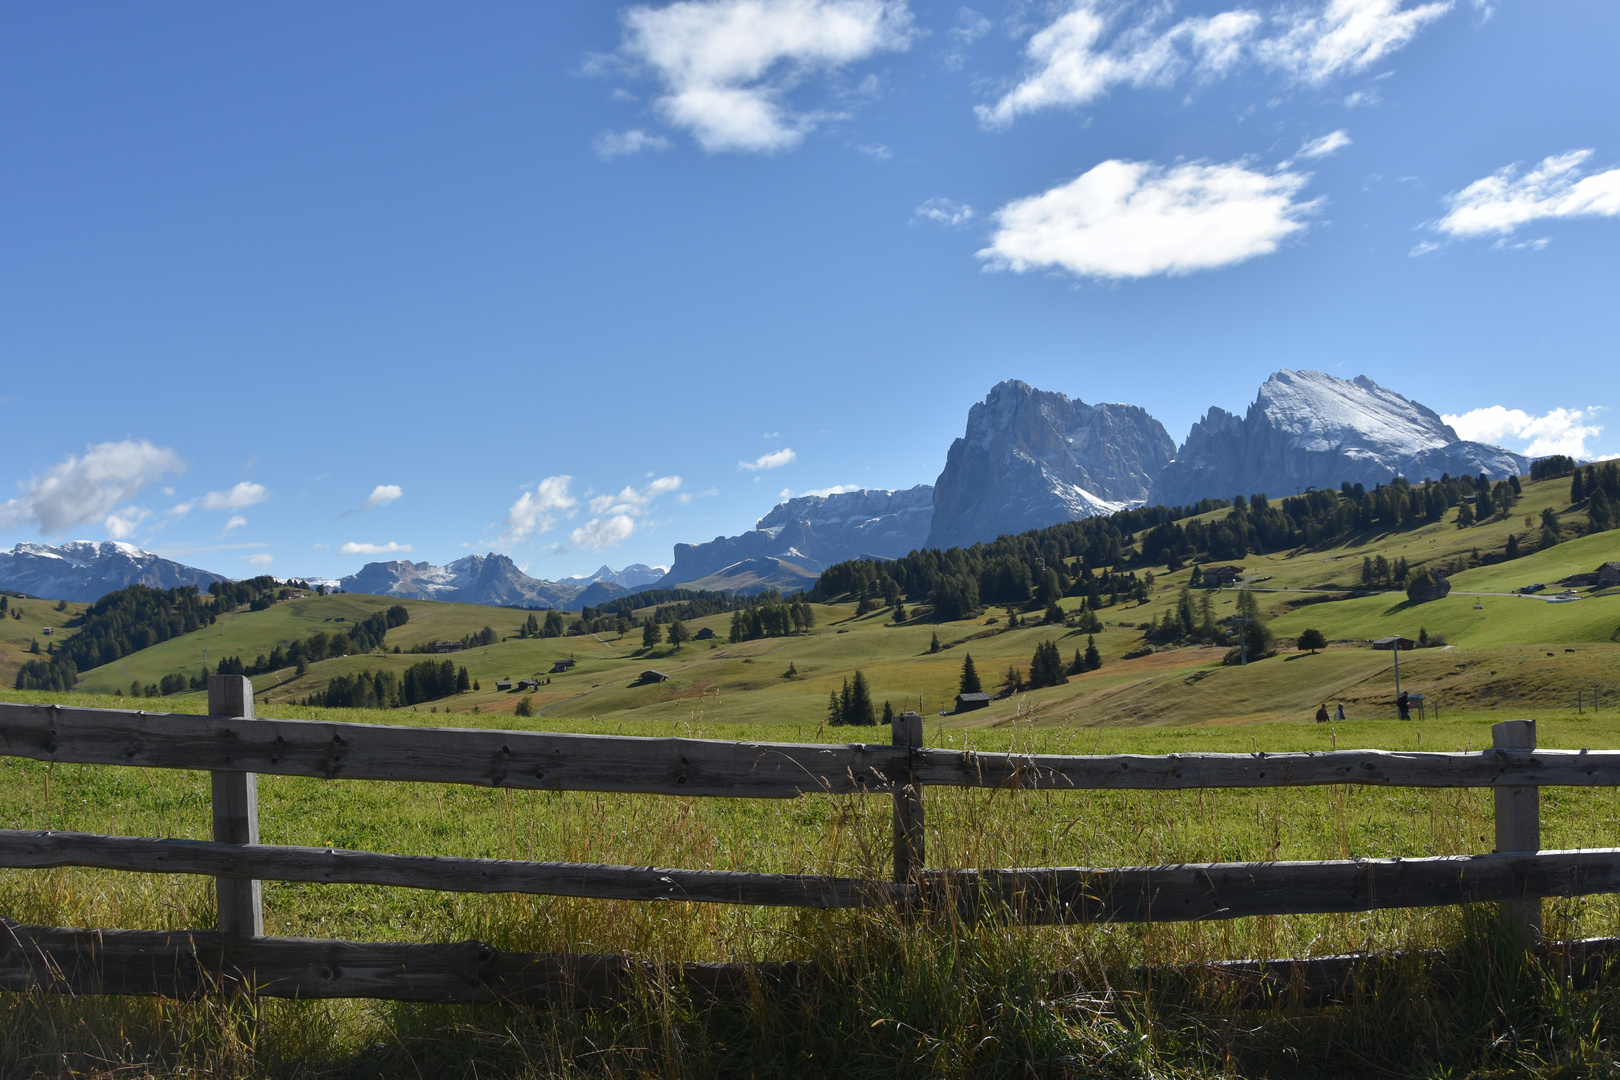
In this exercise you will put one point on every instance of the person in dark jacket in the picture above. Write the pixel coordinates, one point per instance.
(1404, 703)
(1322, 714)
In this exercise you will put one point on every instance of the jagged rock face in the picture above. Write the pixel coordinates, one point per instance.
(1032, 458)
(83, 570)
(1310, 429)
(814, 532)
(477, 579)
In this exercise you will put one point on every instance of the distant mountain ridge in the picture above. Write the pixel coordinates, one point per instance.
(86, 570)
(631, 577)
(808, 534)
(1311, 429)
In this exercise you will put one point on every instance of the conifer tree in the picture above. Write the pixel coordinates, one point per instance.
(970, 678)
(1093, 657)
(933, 645)
(860, 703)
(1577, 488)
(651, 633)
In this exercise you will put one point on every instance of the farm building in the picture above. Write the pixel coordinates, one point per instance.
(969, 702)
(1609, 574)
(528, 684)
(561, 666)
(650, 676)
(704, 634)
(446, 646)
(503, 684)
(1393, 643)
(1215, 576)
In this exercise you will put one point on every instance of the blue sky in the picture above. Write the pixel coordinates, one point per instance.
(289, 289)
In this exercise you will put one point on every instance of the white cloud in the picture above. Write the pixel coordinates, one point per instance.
(536, 511)
(944, 212)
(1560, 431)
(774, 460)
(390, 548)
(727, 65)
(1090, 49)
(236, 522)
(240, 496)
(1125, 219)
(633, 501)
(261, 559)
(603, 532)
(1345, 36)
(612, 144)
(382, 495)
(80, 490)
(1556, 188)
(182, 509)
(124, 522)
(1331, 143)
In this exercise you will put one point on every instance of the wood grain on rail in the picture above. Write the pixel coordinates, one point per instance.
(1235, 890)
(33, 850)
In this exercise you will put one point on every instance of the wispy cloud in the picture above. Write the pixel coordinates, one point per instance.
(382, 495)
(236, 522)
(390, 548)
(1559, 431)
(262, 558)
(943, 212)
(774, 460)
(536, 511)
(727, 66)
(1508, 198)
(616, 144)
(599, 533)
(1331, 143)
(81, 490)
(1093, 47)
(1125, 219)
(615, 517)
(242, 495)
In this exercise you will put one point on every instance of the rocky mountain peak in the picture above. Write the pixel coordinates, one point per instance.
(1311, 429)
(1031, 458)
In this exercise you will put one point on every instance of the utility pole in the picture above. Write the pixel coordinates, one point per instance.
(1397, 665)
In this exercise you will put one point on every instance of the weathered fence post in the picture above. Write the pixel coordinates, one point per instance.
(909, 858)
(236, 814)
(1518, 823)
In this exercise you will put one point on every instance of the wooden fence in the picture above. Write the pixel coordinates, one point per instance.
(235, 747)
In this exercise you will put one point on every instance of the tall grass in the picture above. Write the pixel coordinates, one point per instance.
(885, 995)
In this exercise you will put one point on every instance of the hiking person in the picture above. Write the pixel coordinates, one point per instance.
(1338, 714)
(1404, 704)
(1322, 714)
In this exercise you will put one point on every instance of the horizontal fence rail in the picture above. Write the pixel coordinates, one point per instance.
(707, 767)
(235, 747)
(27, 850)
(1030, 895)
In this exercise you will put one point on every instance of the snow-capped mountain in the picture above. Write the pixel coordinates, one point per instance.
(86, 570)
(477, 579)
(811, 533)
(1032, 458)
(1310, 429)
(633, 576)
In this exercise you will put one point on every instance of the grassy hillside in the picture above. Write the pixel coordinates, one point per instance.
(1496, 656)
(18, 635)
